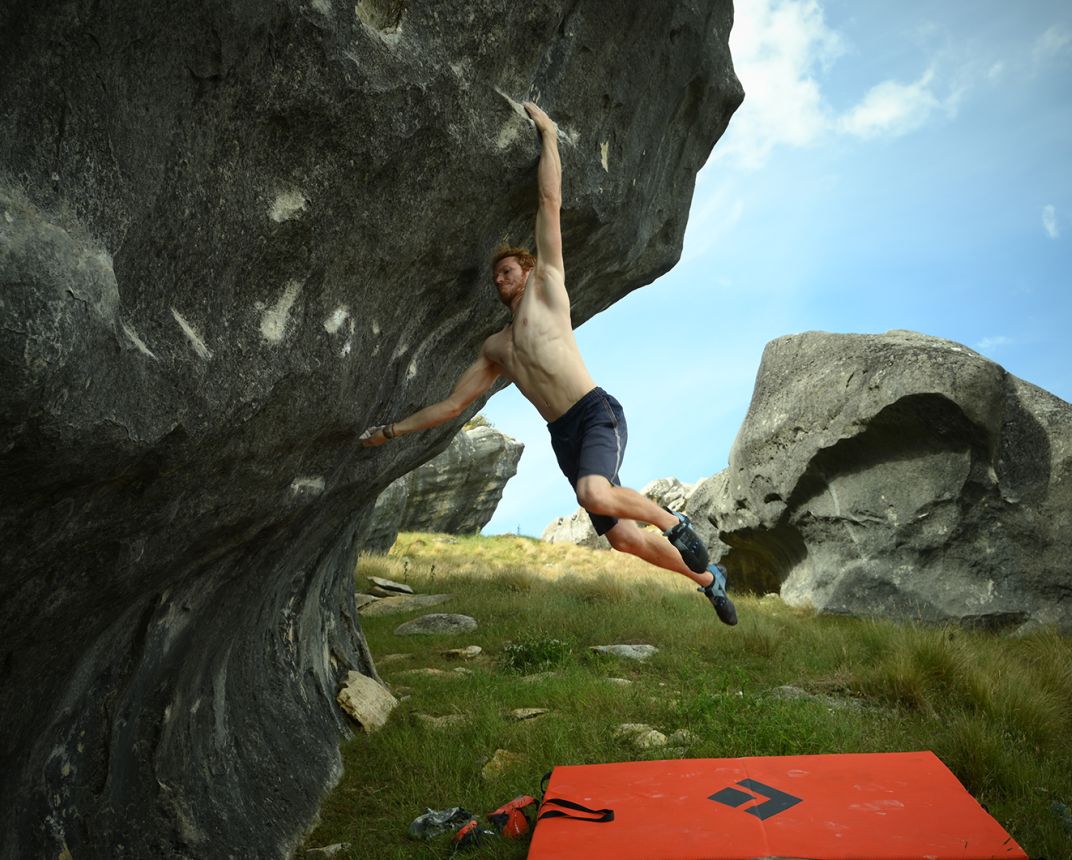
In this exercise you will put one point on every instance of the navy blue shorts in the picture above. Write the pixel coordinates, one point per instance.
(589, 439)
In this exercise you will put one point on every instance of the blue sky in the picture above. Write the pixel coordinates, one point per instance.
(894, 166)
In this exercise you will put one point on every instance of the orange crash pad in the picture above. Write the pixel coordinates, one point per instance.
(884, 806)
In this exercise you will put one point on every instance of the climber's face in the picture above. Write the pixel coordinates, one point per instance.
(510, 279)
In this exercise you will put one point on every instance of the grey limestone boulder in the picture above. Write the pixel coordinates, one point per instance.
(455, 492)
(900, 475)
(390, 586)
(436, 623)
(577, 529)
(233, 235)
(629, 652)
(669, 493)
(403, 603)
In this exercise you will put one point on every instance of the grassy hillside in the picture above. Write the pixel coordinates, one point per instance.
(997, 711)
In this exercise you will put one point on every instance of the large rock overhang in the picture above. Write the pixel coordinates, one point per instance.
(231, 234)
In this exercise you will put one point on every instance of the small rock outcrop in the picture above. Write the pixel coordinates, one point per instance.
(455, 492)
(900, 475)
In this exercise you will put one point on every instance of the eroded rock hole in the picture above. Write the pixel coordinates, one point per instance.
(382, 15)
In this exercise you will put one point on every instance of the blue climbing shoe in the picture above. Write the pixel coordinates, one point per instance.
(716, 593)
(685, 540)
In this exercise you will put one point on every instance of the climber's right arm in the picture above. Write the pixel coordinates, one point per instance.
(476, 379)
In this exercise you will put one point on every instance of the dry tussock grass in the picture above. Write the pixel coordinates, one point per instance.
(518, 561)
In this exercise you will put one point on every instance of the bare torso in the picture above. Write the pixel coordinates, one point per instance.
(538, 352)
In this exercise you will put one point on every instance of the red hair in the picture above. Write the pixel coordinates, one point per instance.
(524, 259)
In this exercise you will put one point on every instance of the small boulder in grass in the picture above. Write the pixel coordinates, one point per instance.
(366, 700)
(520, 714)
(390, 585)
(641, 735)
(682, 738)
(501, 761)
(469, 652)
(629, 652)
(437, 622)
(427, 673)
(391, 604)
(328, 850)
(443, 722)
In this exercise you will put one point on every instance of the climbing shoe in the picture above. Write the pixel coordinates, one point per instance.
(688, 543)
(716, 593)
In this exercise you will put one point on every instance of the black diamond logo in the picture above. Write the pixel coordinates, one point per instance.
(774, 801)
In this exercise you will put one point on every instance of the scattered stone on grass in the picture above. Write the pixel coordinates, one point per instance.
(393, 658)
(469, 652)
(650, 740)
(619, 682)
(641, 735)
(362, 598)
(366, 700)
(461, 670)
(501, 761)
(428, 673)
(520, 714)
(681, 738)
(789, 692)
(389, 585)
(437, 622)
(404, 603)
(443, 722)
(329, 850)
(630, 652)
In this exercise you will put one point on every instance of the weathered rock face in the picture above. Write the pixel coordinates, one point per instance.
(576, 528)
(456, 492)
(231, 235)
(901, 475)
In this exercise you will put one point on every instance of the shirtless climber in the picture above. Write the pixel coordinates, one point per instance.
(538, 353)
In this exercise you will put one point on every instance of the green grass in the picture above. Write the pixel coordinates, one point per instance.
(996, 710)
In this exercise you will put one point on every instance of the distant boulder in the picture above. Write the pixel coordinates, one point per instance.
(456, 492)
(899, 475)
(577, 527)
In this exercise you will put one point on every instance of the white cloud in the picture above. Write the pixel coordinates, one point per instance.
(777, 47)
(1049, 221)
(996, 71)
(712, 217)
(988, 344)
(1052, 43)
(892, 108)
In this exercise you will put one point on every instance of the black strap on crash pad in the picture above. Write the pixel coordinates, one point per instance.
(603, 815)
